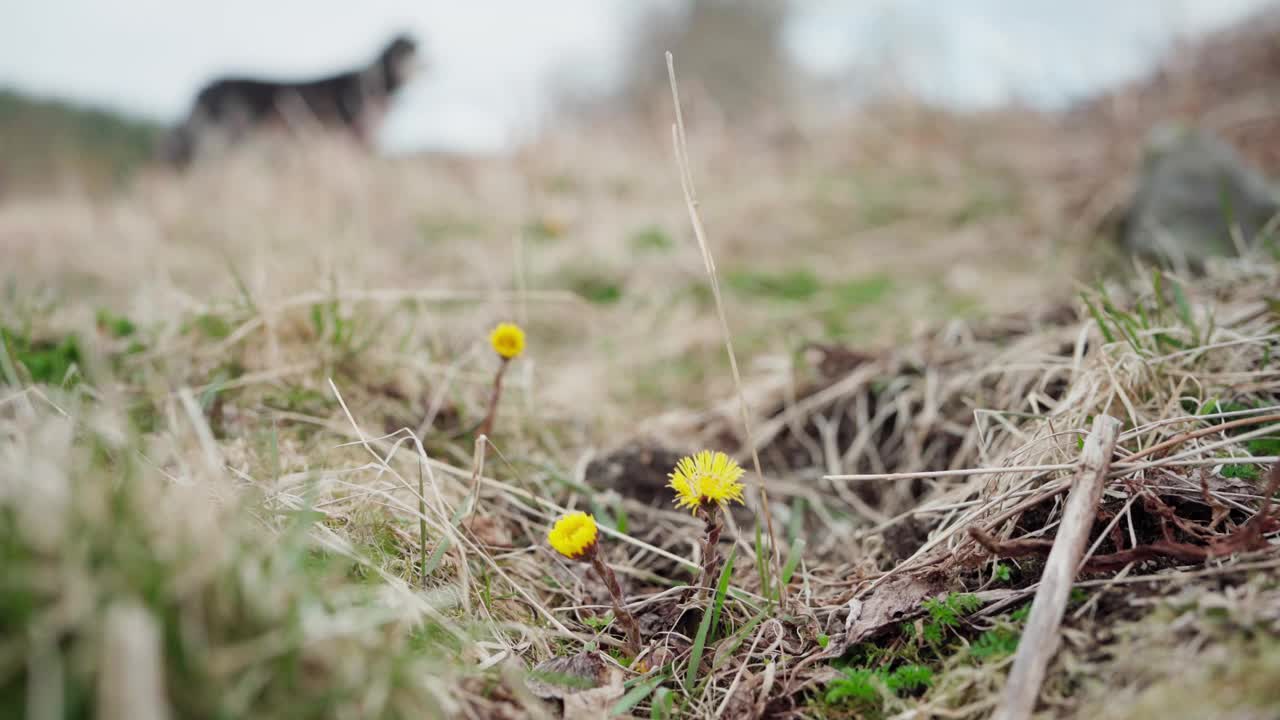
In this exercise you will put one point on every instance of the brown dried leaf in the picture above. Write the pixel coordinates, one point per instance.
(489, 531)
(889, 604)
(594, 704)
(742, 704)
(562, 676)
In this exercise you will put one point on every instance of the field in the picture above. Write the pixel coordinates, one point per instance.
(244, 473)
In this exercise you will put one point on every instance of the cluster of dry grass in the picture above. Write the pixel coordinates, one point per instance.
(241, 476)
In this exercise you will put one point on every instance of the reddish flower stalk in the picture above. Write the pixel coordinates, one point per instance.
(624, 616)
(710, 546)
(487, 425)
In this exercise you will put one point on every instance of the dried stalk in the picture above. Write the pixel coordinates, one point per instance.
(1040, 639)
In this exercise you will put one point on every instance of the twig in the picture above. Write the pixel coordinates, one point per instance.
(1040, 638)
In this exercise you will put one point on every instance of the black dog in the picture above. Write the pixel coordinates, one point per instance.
(229, 109)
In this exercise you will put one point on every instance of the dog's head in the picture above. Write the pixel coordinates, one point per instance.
(399, 60)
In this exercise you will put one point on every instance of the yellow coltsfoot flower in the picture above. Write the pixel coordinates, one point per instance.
(507, 340)
(574, 535)
(705, 479)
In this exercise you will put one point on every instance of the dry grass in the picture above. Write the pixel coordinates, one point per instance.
(246, 474)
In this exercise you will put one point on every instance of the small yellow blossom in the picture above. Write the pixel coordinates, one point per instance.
(573, 534)
(507, 340)
(706, 478)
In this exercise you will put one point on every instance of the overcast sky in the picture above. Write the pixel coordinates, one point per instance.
(492, 58)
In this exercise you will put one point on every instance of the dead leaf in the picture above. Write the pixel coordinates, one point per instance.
(594, 704)
(742, 704)
(889, 604)
(562, 676)
(488, 531)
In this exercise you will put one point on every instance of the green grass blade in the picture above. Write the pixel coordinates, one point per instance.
(762, 562)
(636, 694)
(795, 528)
(215, 386)
(1184, 311)
(1097, 317)
(620, 513)
(793, 559)
(1157, 287)
(1124, 322)
(709, 619)
(736, 639)
(443, 546)
(663, 700)
(241, 286)
(6, 363)
(722, 588)
(422, 524)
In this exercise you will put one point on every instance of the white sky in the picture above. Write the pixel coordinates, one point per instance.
(491, 59)
(980, 52)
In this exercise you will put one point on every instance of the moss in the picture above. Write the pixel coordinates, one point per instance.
(595, 289)
(1239, 681)
(441, 229)
(45, 361)
(789, 285)
(650, 239)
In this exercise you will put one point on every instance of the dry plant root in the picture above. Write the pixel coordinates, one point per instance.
(1246, 538)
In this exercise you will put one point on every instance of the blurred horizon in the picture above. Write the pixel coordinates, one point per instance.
(497, 69)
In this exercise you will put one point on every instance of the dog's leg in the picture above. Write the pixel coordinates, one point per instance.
(367, 124)
(298, 116)
(240, 121)
(183, 145)
(176, 148)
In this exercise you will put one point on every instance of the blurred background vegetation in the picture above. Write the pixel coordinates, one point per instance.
(47, 145)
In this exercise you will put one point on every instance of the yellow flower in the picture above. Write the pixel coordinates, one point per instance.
(573, 534)
(706, 478)
(507, 340)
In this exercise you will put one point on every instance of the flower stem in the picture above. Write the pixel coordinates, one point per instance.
(710, 546)
(487, 426)
(623, 616)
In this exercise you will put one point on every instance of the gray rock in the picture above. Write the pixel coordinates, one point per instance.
(1194, 188)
